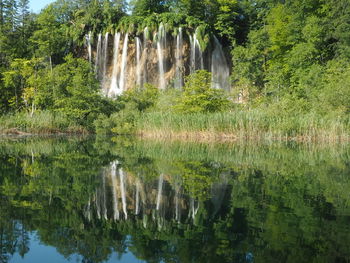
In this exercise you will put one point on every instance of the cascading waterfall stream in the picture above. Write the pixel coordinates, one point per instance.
(116, 215)
(161, 40)
(114, 89)
(196, 54)
(88, 42)
(199, 49)
(193, 54)
(98, 56)
(145, 53)
(104, 62)
(219, 68)
(179, 62)
(124, 63)
(138, 61)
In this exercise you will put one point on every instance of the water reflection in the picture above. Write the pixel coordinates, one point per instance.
(94, 201)
(121, 195)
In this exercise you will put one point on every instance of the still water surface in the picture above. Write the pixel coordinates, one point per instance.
(97, 200)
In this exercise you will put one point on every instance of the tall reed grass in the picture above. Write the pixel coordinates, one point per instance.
(43, 122)
(253, 124)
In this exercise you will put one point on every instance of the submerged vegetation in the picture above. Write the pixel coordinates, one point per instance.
(290, 69)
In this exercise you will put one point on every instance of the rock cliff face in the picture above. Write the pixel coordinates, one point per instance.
(123, 61)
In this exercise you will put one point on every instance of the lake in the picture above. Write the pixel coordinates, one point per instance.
(76, 199)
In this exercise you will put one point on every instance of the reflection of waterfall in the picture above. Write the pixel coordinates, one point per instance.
(104, 196)
(194, 206)
(87, 211)
(160, 188)
(124, 63)
(218, 191)
(122, 189)
(114, 191)
(137, 198)
(97, 203)
(177, 204)
(161, 42)
(219, 68)
(119, 192)
(114, 90)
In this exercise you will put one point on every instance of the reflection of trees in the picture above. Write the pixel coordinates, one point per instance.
(176, 204)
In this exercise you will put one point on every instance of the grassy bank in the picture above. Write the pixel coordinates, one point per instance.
(238, 125)
(44, 122)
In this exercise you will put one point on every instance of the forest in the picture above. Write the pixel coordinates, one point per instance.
(289, 65)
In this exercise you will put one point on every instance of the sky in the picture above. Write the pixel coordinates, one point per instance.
(37, 5)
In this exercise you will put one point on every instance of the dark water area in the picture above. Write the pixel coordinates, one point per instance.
(69, 199)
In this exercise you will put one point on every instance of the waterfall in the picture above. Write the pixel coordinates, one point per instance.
(88, 42)
(193, 54)
(196, 54)
(104, 62)
(160, 188)
(150, 60)
(114, 90)
(98, 55)
(219, 68)
(122, 189)
(124, 63)
(145, 53)
(200, 52)
(114, 191)
(161, 41)
(138, 61)
(178, 57)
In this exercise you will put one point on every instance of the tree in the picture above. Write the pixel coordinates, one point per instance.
(22, 80)
(147, 7)
(76, 92)
(49, 39)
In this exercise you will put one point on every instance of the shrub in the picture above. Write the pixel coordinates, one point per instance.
(125, 120)
(199, 96)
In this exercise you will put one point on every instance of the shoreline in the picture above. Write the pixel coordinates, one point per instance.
(48, 132)
(190, 136)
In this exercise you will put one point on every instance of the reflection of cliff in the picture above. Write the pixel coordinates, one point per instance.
(121, 195)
